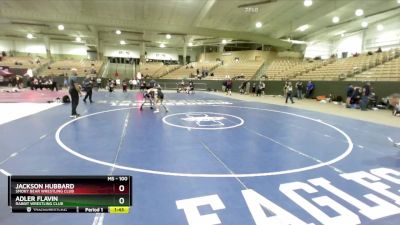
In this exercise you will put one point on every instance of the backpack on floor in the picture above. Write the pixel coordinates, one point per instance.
(65, 99)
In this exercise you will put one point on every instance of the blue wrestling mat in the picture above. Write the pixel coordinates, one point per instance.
(211, 160)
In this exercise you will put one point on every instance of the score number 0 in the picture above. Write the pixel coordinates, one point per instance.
(121, 188)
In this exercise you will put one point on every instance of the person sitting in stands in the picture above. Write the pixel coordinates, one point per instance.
(379, 50)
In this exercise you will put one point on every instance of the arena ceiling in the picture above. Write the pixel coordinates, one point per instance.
(199, 22)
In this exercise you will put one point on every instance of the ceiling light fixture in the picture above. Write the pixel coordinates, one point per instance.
(258, 24)
(379, 27)
(359, 12)
(335, 19)
(224, 41)
(78, 39)
(60, 27)
(118, 32)
(122, 42)
(190, 44)
(398, 1)
(162, 45)
(364, 24)
(29, 36)
(168, 36)
(303, 28)
(308, 3)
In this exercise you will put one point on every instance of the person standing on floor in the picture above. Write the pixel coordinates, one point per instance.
(285, 89)
(74, 91)
(299, 89)
(262, 88)
(310, 89)
(253, 89)
(229, 84)
(366, 91)
(247, 87)
(349, 94)
(98, 80)
(289, 92)
(88, 86)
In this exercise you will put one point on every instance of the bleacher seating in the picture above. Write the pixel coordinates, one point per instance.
(155, 69)
(63, 67)
(296, 69)
(245, 68)
(389, 71)
(344, 68)
(25, 62)
(191, 69)
(279, 66)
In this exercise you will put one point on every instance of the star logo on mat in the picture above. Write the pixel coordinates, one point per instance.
(204, 120)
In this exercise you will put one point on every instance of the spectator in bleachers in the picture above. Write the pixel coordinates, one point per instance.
(299, 89)
(349, 94)
(379, 50)
(310, 89)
